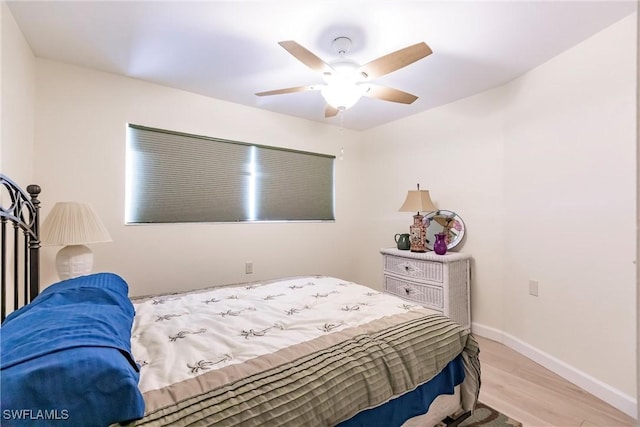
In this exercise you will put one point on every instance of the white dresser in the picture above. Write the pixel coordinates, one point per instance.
(438, 282)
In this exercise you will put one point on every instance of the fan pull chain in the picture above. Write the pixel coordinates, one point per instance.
(341, 113)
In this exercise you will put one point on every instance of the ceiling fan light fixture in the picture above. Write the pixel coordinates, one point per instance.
(342, 95)
(344, 70)
(346, 80)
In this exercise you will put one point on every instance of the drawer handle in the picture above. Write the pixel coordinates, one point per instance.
(408, 268)
(407, 290)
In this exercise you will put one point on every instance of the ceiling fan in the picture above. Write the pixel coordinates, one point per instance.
(346, 80)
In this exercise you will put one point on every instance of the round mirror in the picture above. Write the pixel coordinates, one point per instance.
(447, 222)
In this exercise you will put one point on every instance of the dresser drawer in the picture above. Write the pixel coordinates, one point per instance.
(430, 296)
(413, 268)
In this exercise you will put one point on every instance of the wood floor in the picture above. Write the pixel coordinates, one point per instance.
(535, 396)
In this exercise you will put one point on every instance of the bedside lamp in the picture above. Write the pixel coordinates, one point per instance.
(418, 201)
(73, 225)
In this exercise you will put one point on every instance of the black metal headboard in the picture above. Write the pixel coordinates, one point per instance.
(20, 256)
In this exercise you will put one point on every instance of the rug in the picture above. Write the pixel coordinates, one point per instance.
(485, 416)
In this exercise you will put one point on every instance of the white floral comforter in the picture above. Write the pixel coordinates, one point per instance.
(178, 337)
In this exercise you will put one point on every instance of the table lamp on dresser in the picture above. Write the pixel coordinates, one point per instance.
(418, 201)
(73, 225)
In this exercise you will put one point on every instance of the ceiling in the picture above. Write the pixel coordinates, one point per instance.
(229, 49)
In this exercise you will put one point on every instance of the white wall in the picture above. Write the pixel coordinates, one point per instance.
(570, 164)
(80, 149)
(542, 171)
(17, 113)
(637, 210)
(456, 153)
(17, 105)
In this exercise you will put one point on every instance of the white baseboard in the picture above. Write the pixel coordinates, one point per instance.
(612, 396)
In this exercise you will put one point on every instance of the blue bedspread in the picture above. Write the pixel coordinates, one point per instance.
(396, 411)
(66, 357)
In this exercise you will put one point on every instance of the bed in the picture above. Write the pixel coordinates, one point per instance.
(314, 350)
(20, 243)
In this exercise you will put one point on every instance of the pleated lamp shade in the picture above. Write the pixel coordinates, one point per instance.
(73, 225)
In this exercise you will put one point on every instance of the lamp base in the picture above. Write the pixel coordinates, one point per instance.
(418, 234)
(73, 261)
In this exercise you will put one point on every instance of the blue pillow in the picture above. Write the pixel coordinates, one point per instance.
(66, 357)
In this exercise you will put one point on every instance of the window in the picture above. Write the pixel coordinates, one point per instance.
(176, 177)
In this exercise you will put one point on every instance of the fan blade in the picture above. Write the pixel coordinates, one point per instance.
(389, 94)
(287, 90)
(330, 111)
(305, 56)
(395, 60)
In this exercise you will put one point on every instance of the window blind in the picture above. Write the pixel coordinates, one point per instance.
(175, 177)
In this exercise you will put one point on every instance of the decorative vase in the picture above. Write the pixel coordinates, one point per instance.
(440, 245)
(403, 241)
(418, 234)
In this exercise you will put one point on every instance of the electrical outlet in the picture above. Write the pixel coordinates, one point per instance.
(248, 267)
(533, 288)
